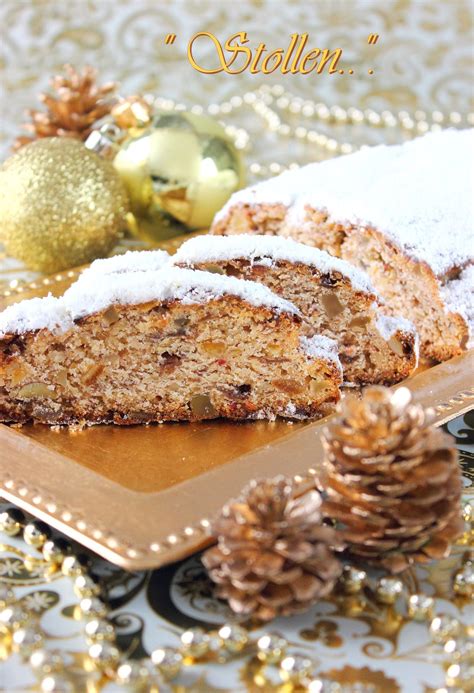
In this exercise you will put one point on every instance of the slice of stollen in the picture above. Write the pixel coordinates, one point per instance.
(164, 345)
(336, 299)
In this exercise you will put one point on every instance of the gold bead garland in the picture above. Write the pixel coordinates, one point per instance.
(104, 659)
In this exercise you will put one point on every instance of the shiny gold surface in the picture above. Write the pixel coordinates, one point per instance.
(182, 167)
(157, 457)
(60, 204)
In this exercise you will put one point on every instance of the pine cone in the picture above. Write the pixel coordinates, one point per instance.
(273, 555)
(78, 103)
(392, 480)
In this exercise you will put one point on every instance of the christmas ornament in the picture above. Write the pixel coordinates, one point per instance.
(179, 171)
(392, 480)
(75, 105)
(61, 205)
(273, 555)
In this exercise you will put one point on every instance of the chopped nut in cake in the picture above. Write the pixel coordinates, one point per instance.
(162, 345)
(336, 299)
(403, 213)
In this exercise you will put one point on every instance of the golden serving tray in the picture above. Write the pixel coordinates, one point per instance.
(142, 496)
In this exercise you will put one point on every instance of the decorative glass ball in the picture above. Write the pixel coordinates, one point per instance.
(180, 170)
(36, 533)
(168, 661)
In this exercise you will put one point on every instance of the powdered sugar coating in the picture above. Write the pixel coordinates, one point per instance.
(458, 295)
(419, 194)
(266, 250)
(319, 346)
(131, 261)
(130, 288)
(35, 314)
(389, 326)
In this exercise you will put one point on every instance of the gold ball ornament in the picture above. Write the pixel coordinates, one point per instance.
(178, 171)
(61, 205)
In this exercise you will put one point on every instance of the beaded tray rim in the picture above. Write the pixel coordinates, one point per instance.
(151, 533)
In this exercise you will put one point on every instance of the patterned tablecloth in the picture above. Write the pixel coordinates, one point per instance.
(421, 62)
(355, 641)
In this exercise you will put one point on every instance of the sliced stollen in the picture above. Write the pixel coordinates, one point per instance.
(131, 261)
(162, 345)
(403, 213)
(336, 299)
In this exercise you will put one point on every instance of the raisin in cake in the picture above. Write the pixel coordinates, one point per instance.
(335, 298)
(171, 344)
(402, 213)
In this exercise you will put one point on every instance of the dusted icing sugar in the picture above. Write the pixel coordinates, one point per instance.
(319, 346)
(129, 288)
(131, 261)
(266, 250)
(458, 295)
(419, 194)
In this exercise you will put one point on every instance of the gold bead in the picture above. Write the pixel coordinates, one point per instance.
(460, 650)
(7, 596)
(72, 566)
(55, 550)
(271, 648)
(98, 630)
(11, 521)
(92, 607)
(388, 590)
(352, 579)
(420, 607)
(36, 533)
(444, 627)
(46, 661)
(464, 581)
(468, 512)
(27, 640)
(460, 676)
(103, 655)
(132, 673)
(168, 661)
(85, 586)
(56, 684)
(295, 668)
(13, 617)
(195, 642)
(234, 638)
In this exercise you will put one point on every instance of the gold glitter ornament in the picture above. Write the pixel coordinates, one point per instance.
(179, 171)
(61, 205)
